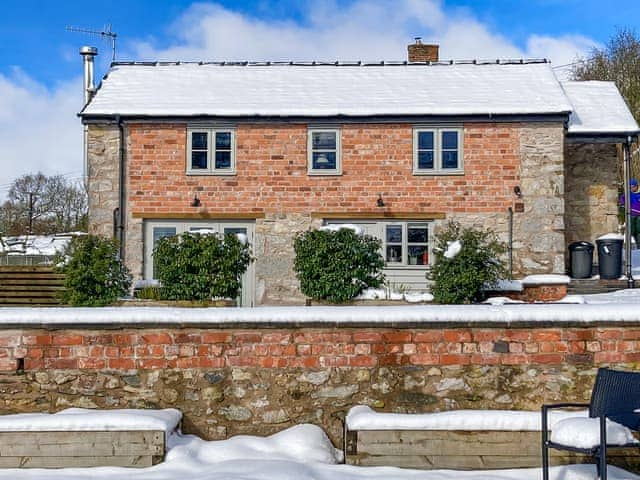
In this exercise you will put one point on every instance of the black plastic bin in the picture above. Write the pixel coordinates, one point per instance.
(610, 258)
(580, 259)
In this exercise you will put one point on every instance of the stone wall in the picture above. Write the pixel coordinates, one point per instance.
(258, 380)
(276, 282)
(591, 183)
(103, 144)
(539, 231)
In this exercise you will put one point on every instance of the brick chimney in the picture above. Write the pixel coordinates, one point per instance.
(421, 52)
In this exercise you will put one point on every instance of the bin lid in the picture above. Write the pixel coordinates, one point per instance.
(609, 241)
(580, 246)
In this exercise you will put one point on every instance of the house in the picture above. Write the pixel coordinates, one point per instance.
(271, 149)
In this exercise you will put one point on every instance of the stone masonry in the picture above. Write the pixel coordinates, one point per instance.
(540, 229)
(260, 380)
(103, 162)
(591, 183)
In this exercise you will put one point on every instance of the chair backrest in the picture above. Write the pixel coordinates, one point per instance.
(616, 393)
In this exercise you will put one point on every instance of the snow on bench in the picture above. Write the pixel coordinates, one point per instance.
(78, 437)
(458, 439)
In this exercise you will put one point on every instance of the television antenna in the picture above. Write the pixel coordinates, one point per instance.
(105, 33)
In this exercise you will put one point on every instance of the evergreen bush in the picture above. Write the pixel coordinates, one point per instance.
(195, 266)
(462, 278)
(94, 274)
(336, 266)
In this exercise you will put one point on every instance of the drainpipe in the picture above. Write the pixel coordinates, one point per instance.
(510, 243)
(121, 183)
(626, 148)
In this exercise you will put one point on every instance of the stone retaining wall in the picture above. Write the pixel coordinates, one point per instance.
(258, 380)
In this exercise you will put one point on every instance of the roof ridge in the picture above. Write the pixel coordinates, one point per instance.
(338, 63)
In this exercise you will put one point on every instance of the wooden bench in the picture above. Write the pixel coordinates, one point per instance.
(78, 437)
(459, 440)
(462, 450)
(63, 449)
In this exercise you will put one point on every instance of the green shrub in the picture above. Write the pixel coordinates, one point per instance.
(337, 265)
(148, 293)
(195, 266)
(94, 274)
(462, 278)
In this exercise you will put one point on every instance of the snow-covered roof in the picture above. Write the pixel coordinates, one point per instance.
(192, 89)
(598, 108)
(47, 245)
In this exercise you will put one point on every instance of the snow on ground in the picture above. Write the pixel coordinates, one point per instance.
(391, 294)
(299, 453)
(302, 452)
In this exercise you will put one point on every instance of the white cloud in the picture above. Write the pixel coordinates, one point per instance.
(364, 30)
(39, 129)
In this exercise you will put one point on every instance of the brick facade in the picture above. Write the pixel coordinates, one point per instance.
(272, 172)
(272, 186)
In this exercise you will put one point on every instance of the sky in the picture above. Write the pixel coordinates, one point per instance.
(40, 68)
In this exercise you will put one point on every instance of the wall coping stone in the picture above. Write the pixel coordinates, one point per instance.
(422, 316)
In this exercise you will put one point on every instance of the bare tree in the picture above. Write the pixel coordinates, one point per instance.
(49, 204)
(619, 62)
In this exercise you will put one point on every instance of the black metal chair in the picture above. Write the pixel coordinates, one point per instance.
(616, 396)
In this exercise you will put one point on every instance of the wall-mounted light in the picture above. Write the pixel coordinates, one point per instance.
(517, 191)
(196, 201)
(380, 201)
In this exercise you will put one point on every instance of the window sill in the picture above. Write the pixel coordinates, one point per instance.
(328, 173)
(438, 173)
(211, 174)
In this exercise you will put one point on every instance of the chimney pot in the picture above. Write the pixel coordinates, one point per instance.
(422, 52)
(87, 60)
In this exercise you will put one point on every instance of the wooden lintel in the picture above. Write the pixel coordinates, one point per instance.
(198, 216)
(376, 215)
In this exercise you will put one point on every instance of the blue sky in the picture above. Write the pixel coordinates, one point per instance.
(40, 84)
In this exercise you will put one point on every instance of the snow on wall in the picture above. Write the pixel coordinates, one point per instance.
(626, 310)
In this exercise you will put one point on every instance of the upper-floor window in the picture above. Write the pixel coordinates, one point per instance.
(437, 150)
(211, 151)
(324, 152)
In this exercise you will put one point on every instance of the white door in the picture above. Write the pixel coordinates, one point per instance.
(156, 229)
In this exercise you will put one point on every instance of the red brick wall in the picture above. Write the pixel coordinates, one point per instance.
(315, 348)
(272, 172)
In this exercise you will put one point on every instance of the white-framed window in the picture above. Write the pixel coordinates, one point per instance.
(324, 151)
(211, 151)
(437, 150)
(405, 243)
(154, 230)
